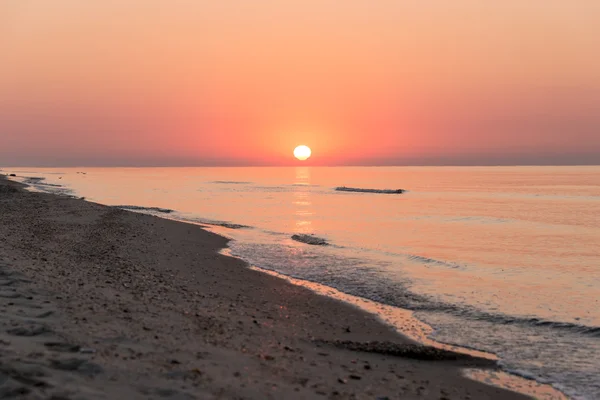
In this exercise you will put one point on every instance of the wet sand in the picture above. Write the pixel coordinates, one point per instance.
(103, 303)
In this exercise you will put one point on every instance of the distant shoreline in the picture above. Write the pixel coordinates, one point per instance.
(111, 273)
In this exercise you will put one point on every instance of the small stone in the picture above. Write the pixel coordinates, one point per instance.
(87, 350)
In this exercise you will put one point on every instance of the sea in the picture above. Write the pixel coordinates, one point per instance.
(504, 260)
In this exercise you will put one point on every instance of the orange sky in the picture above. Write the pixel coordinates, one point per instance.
(235, 82)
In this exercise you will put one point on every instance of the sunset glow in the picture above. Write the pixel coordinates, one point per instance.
(149, 82)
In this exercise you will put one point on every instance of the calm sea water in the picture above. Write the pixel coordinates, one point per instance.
(501, 259)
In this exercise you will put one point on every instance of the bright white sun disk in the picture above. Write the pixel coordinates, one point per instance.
(302, 152)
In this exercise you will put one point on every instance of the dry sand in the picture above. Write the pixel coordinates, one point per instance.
(102, 303)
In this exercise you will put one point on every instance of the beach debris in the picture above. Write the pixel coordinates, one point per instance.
(12, 175)
(364, 190)
(355, 377)
(310, 239)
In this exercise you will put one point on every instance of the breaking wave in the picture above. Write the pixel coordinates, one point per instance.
(38, 184)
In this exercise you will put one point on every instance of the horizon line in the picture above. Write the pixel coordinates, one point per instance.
(298, 165)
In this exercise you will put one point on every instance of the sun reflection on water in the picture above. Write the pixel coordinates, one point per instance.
(302, 204)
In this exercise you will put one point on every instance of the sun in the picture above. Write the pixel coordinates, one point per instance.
(302, 152)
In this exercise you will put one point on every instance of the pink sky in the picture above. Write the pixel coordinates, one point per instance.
(236, 82)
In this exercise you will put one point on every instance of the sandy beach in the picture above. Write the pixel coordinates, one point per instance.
(102, 303)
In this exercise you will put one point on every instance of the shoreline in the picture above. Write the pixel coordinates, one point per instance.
(131, 238)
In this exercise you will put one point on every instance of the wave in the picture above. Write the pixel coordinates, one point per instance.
(273, 189)
(472, 313)
(357, 277)
(479, 219)
(39, 181)
(400, 295)
(431, 261)
(363, 190)
(593, 331)
(310, 239)
(228, 225)
(205, 221)
(140, 208)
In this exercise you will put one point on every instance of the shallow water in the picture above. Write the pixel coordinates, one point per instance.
(502, 259)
